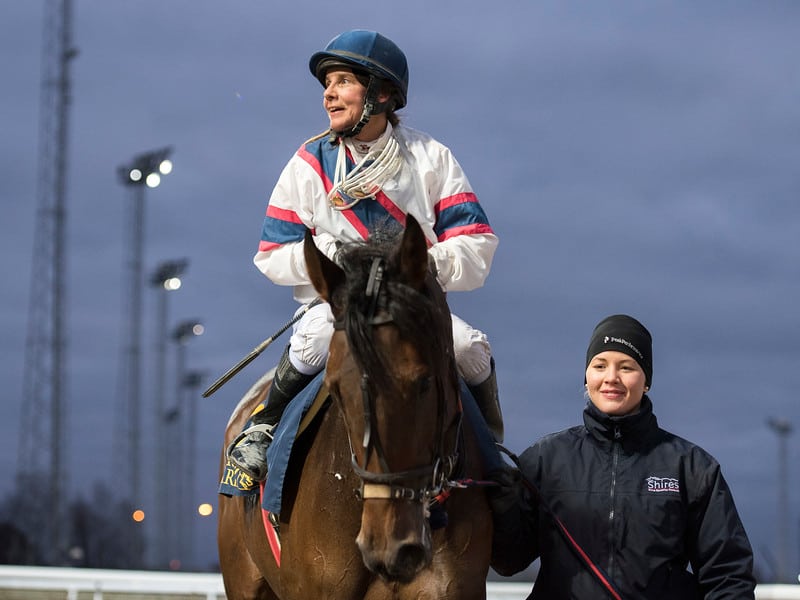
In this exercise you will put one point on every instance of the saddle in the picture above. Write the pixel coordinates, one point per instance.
(295, 420)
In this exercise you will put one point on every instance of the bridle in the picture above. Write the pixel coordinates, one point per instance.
(388, 484)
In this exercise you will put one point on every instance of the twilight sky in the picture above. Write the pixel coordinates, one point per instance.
(632, 157)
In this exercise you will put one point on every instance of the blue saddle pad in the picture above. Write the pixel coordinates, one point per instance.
(236, 483)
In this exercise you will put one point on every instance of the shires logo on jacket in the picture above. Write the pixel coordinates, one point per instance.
(662, 484)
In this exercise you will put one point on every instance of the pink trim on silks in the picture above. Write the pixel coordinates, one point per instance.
(391, 207)
(473, 228)
(454, 200)
(315, 164)
(264, 246)
(283, 214)
(272, 536)
(356, 222)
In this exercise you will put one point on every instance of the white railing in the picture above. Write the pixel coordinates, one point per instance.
(209, 585)
(97, 581)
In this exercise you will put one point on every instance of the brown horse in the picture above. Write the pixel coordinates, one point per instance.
(394, 434)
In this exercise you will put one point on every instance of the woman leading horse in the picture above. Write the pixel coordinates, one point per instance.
(362, 487)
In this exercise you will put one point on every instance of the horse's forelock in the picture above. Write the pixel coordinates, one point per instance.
(422, 317)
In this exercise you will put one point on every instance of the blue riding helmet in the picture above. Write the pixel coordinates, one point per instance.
(368, 51)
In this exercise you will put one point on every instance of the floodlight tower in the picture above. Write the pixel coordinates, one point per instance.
(782, 428)
(185, 381)
(166, 278)
(142, 172)
(44, 378)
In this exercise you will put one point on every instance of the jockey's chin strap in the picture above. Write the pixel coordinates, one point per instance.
(388, 484)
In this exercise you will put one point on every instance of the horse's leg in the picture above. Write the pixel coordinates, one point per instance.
(241, 576)
(319, 522)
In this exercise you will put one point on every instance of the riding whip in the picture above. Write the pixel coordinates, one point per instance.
(258, 350)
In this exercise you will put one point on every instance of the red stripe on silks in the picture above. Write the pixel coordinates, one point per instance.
(454, 200)
(264, 246)
(359, 226)
(315, 164)
(472, 228)
(283, 214)
(588, 561)
(272, 537)
(391, 207)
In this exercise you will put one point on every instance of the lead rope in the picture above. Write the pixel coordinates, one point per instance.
(368, 176)
(603, 579)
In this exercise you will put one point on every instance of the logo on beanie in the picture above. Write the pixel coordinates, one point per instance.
(616, 340)
(663, 484)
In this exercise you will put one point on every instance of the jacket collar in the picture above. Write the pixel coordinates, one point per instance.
(627, 429)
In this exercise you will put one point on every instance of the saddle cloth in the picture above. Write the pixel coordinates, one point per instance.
(236, 483)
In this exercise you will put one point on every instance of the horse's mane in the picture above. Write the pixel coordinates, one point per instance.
(422, 317)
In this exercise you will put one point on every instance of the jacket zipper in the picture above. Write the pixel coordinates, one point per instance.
(614, 461)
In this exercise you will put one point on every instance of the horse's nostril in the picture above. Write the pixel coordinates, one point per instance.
(409, 560)
(402, 566)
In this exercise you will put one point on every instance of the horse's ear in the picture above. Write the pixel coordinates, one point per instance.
(326, 276)
(412, 255)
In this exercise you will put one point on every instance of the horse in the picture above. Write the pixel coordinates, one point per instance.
(360, 492)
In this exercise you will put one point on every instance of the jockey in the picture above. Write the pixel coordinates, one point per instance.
(365, 171)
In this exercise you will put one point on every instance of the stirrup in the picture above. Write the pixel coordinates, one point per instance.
(264, 428)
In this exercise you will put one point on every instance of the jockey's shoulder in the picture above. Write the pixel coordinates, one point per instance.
(317, 137)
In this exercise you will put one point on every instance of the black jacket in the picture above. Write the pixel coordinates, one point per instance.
(642, 504)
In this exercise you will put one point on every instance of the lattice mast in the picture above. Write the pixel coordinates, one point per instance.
(42, 446)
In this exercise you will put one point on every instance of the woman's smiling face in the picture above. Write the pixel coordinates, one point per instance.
(615, 382)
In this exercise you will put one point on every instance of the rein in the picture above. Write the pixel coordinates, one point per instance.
(389, 484)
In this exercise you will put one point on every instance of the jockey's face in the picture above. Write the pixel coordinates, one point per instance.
(615, 382)
(343, 100)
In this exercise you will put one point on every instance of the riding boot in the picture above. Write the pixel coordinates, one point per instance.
(249, 450)
(488, 400)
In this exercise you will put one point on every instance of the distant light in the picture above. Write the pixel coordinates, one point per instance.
(138, 515)
(172, 284)
(205, 509)
(165, 168)
(153, 179)
(135, 175)
(198, 329)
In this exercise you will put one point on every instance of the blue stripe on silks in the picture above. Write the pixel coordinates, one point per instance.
(277, 231)
(375, 217)
(459, 215)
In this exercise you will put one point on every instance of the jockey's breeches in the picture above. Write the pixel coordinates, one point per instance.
(311, 338)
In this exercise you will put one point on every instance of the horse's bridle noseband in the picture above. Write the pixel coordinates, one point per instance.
(388, 484)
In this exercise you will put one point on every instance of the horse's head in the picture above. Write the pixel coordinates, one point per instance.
(391, 371)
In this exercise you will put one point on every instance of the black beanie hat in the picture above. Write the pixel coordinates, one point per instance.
(625, 334)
